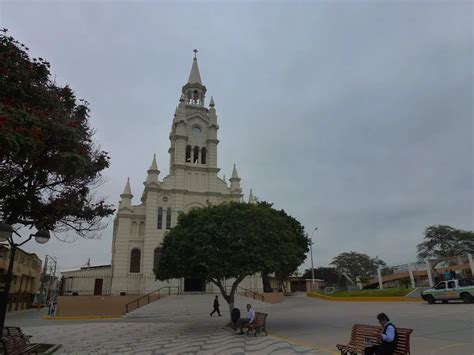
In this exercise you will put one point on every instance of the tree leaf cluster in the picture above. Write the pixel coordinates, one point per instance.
(357, 265)
(231, 241)
(48, 160)
(442, 241)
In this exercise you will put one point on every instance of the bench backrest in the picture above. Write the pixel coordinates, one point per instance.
(260, 318)
(361, 332)
(14, 340)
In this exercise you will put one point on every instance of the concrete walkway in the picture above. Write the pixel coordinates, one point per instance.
(181, 324)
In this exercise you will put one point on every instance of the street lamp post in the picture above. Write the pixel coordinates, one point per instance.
(6, 234)
(311, 249)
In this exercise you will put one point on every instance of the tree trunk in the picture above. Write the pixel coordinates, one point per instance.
(231, 296)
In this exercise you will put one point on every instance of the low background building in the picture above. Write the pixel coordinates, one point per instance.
(26, 277)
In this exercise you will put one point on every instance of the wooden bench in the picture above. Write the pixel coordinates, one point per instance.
(258, 325)
(14, 341)
(363, 332)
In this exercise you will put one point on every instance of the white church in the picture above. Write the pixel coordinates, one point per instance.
(193, 182)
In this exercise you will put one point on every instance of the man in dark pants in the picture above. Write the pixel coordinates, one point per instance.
(388, 338)
(216, 307)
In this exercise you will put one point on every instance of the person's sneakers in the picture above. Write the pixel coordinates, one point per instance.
(220, 315)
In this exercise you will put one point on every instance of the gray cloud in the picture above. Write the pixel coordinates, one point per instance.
(355, 117)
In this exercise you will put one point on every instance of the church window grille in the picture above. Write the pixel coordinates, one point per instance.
(160, 218)
(135, 256)
(188, 154)
(196, 155)
(168, 218)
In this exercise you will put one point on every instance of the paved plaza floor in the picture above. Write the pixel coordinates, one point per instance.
(299, 325)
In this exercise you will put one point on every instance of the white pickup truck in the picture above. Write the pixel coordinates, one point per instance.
(444, 291)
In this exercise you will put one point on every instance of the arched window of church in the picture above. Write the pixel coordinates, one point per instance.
(135, 256)
(160, 218)
(196, 155)
(134, 229)
(156, 257)
(188, 154)
(203, 155)
(168, 218)
(141, 229)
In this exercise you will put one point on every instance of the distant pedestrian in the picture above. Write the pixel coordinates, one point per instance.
(52, 309)
(447, 275)
(453, 274)
(216, 307)
(388, 338)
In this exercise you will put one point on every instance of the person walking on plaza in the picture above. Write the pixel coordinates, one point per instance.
(216, 307)
(246, 321)
(388, 338)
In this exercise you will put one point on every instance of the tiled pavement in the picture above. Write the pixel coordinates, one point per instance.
(173, 325)
(159, 338)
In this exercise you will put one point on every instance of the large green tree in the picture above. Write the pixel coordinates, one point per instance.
(445, 241)
(48, 160)
(230, 241)
(356, 265)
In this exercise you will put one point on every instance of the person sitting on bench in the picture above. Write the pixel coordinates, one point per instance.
(388, 338)
(243, 322)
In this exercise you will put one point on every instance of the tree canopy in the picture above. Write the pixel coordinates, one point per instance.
(445, 241)
(231, 241)
(48, 161)
(356, 265)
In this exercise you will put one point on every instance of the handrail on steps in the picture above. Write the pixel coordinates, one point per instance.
(147, 297)
(253, 294)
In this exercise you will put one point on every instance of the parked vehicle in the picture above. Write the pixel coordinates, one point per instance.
(444, 291)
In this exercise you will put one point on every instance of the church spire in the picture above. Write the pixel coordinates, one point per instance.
(194, 91)
(126, 196)
(194, 76)
(235, 181)
(153, 172)
(252, 198)
(127, 191)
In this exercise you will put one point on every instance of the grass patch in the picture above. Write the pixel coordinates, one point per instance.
(389, 292)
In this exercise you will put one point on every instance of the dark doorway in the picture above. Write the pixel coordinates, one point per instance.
(98, 287)
(194, 285)
(298, 286)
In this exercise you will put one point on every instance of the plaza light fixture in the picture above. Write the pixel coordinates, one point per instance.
(6, 231)
(311, 249)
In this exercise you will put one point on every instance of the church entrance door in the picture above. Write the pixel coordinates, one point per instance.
(194, 285)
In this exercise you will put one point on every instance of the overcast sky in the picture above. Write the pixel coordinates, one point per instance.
(355, 117)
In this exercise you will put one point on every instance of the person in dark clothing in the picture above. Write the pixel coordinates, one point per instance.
(388, 338)
(216, 307)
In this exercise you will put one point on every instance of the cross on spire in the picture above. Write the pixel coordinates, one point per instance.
(195, 53)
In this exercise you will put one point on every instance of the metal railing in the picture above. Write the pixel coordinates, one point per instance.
(252, 294)
(148, 298)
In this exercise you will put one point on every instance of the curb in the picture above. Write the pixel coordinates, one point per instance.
(364, 299)
(82, 318)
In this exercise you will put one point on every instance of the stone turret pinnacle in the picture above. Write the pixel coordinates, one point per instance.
(127, 191)
(126, 196)
(252, 198)
(211, 103)
(235, 181)
(153, 172)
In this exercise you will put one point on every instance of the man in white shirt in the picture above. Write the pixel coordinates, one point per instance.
(244, 322)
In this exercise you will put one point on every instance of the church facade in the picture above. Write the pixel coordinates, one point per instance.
(193, 182)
